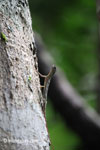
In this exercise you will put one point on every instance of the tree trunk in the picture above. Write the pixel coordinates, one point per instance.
(22, 122)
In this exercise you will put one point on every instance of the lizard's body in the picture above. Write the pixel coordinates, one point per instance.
(46, 85)
(45, 90)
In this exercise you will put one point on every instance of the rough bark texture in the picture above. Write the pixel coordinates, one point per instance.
(22, 123)
(76, 113)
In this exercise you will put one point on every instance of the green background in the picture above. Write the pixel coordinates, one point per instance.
(69, 30)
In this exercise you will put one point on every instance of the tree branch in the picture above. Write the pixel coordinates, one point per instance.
(98, 56)
(72, 107)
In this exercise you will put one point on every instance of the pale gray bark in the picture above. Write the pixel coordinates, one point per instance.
(22, 123)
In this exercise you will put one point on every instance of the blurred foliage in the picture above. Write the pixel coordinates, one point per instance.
(69, 30)
(62, 138)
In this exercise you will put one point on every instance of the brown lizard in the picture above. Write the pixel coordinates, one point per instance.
(46, 85)
(45, 90)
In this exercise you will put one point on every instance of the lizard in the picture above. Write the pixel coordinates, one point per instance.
(47, 79)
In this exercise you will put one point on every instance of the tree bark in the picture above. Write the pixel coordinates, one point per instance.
(22, 122)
